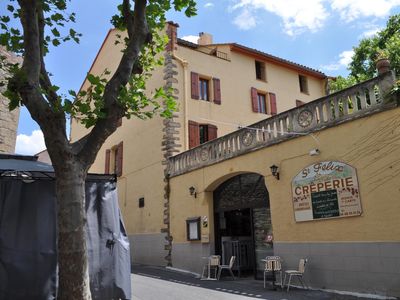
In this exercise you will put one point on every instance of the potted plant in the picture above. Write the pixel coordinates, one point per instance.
(382, 61)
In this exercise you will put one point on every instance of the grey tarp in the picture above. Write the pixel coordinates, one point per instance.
(28, 263)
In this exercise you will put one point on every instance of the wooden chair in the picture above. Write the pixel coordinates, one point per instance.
(227, 267)
(297, 273)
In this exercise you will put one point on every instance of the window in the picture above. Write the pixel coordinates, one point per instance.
(204, 88)
(193, 229)
(260, 70)
(303, 82)
(262, 104)
(201, 133)
(141, 202)
(113, 160)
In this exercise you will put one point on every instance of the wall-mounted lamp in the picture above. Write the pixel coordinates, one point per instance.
(192, 191)
(274, 171)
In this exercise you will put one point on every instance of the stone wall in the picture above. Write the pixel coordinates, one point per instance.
(8, 120)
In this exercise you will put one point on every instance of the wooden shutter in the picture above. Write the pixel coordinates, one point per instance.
(195, 85)
(119, 159)
(254, 100)
(272, 103)
(107, 162)
(217, 91)
(212, 132)
(194, 134)
(299, 103)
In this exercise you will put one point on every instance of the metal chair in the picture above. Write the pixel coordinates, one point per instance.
(213, 263)
(227, 267)
(298, 273)
(273, 264)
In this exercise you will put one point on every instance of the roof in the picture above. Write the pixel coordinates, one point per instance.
(261, 55)
(27, 167)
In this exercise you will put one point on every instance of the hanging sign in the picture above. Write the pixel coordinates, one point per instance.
(327, 189)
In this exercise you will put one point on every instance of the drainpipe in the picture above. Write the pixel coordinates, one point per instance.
(184, 64)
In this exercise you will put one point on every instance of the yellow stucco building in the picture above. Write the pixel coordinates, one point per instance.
(218, 87)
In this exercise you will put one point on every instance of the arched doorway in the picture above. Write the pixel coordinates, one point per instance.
(242, 221)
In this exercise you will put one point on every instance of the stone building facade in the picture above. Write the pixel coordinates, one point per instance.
(8, 120)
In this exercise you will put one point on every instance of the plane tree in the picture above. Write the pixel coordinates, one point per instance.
(31, 28)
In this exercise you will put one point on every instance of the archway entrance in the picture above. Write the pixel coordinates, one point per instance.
(242, 221)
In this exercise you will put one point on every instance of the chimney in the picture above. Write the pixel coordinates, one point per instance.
(205, 39)
(172, 33)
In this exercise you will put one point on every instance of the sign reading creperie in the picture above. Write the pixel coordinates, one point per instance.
(327, 189)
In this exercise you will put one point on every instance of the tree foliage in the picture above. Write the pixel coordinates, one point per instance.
(31, 28)
(385, 43)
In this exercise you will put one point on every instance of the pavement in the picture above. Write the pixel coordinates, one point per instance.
(150, 282)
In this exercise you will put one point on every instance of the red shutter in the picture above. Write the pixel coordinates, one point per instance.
(107, 162)
(212, 132)
(119, 159)
(194, 134)
(272, 102)
(217, 91)
(299, 103)
(254, 100)
(195, 85)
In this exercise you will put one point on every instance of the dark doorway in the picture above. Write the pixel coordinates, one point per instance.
(243, 222)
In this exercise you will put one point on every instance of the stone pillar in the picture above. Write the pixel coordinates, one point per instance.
(8, 119)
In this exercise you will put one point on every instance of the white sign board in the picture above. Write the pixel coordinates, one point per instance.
(327, 189)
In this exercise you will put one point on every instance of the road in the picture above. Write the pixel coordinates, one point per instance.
(156, 283)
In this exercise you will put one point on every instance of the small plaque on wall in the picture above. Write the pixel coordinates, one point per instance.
(193, 229)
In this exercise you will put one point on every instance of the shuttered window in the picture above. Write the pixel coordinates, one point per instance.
(201, 133)
(107, 162)
(254, 99)
(118, 156)
(217, 90)
(204, 89)
(195, 85)
(272, 104)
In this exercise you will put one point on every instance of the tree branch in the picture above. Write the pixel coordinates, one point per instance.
(105, 127)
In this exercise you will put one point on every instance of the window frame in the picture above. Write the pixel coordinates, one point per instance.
(196, 222)
(265, 102)
(260, 68)
(203, 128)
(207, 81)
(303, 84)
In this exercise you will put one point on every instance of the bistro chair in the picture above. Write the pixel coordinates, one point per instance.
(212, 265)
(273, 264)
(227, 267)
(298, 273)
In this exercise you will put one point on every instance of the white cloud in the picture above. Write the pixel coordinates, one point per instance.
(297, 15)
(344, 59)
(30, 144)
(208, 5)
(190, 38)
(369, 33)
(353, 9)
(245, 20)
(309, 15)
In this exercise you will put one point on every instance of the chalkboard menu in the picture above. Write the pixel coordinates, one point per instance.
(325, 204)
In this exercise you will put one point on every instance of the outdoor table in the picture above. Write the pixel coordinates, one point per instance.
(273, 259)
(208, 269)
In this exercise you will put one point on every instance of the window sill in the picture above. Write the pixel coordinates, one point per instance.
(262, 80)
(305, 93)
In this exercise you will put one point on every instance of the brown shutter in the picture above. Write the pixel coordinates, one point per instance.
(272, 102)
(119, 159)
(299, 103)
(217, 91)
(212, 132)
(195, 85)
(254, 100)
(107, 162)
(194, 134)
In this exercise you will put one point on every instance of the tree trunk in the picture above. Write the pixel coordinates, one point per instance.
(73, 276)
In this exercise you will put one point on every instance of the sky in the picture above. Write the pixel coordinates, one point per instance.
(317, 33)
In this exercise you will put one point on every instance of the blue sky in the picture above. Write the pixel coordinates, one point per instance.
(316, 33)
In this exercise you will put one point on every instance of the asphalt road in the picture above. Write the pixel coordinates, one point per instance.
(157, 283)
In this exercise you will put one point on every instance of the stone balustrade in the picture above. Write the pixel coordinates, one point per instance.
(349, 104)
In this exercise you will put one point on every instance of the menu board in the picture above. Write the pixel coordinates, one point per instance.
(327, 189)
